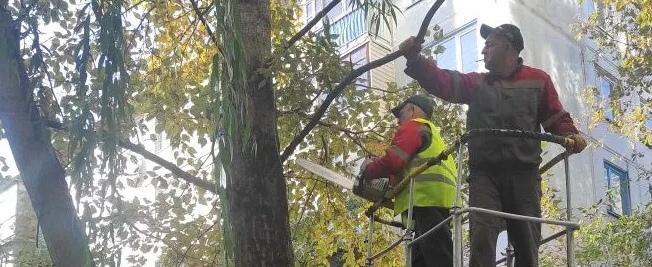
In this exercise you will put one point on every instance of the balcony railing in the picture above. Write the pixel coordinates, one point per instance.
(349, 27)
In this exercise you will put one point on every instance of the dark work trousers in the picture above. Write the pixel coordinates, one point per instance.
(436, 249)
(515, 191)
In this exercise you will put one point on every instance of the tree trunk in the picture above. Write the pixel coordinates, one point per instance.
(257, 194)
(42, 174)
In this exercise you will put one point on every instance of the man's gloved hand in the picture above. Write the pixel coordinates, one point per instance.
(410, 48)
(578, 143)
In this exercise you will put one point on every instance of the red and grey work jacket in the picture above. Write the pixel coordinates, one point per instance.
(526, 100)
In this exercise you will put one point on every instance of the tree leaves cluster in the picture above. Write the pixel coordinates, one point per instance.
(624, 241)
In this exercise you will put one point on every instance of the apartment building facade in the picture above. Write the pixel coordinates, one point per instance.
(355, 41)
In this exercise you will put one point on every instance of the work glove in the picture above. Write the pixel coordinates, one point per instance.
(578, 143)
(410, 48)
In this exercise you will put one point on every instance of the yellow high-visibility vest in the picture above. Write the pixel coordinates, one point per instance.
(434, 187)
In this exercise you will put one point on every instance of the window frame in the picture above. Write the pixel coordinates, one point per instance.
(624, 189)
(307, 17)
(461, 49)
(456, 35)
(608, 109)
(365, 59)
(346, 8)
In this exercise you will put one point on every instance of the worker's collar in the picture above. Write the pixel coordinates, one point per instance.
(493, 77)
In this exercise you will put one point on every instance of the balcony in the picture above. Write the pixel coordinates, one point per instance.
(349, 27)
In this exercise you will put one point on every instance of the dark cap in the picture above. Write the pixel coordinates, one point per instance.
(511, 32)
(422, 102)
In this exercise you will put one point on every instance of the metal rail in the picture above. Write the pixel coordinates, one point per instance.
(458, 212)
(544, 241)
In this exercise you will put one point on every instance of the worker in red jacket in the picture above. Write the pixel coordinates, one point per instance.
(416, 140)
(503, 170)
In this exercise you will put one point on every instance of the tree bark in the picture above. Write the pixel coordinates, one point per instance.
(256, 188)
(42, 174)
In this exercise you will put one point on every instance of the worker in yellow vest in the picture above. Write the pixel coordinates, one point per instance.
(416, 140)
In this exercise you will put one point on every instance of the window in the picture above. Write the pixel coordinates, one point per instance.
(469, 46)
(335, 12)
(358, 58)
(345, 18)
(588, 7)
(460, 51)
(309, 10)
(446, 59)
(319, 5)
(617, 185)
(606, 87)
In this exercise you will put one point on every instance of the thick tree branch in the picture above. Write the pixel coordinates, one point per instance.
(316, 117)
(139, 149)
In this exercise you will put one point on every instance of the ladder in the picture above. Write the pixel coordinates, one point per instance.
(458, 211)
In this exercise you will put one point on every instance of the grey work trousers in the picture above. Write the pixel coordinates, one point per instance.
(436, 249)
(513, 191)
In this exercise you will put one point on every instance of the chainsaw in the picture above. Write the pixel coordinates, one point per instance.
(372, 190)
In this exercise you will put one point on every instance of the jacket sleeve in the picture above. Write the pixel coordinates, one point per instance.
(448, 85)
(554, 118)
(406, 143)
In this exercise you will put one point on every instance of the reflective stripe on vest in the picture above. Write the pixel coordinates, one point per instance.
(435, 186)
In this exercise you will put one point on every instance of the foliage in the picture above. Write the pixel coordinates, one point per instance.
(553, 253)
(601, 239)
(622, 32)
(624, 241)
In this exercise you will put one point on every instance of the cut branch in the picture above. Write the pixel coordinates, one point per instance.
(316, 117)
